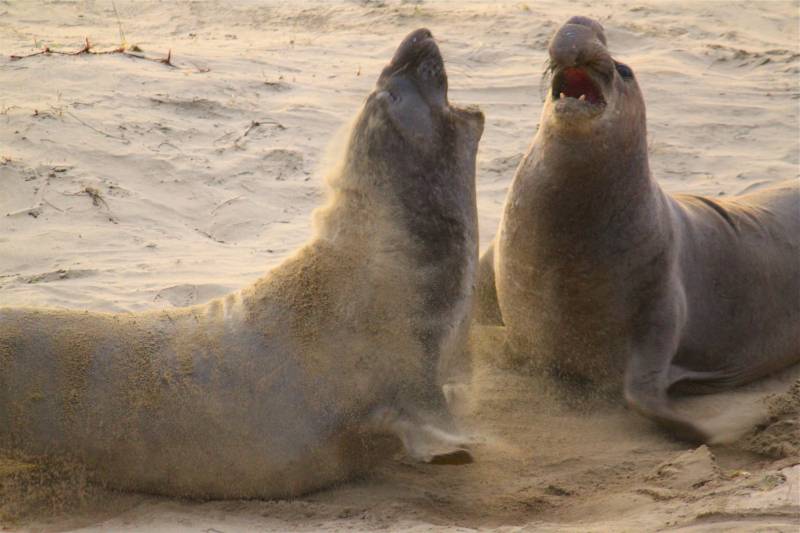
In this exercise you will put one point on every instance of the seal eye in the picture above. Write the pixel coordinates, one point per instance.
(388, 96)
(624, 70)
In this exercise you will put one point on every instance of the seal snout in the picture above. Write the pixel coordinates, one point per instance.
(593, 25)
(578, 56)
(417, 50)
(578, 42)
(417, 66)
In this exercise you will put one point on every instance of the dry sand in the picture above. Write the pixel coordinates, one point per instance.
(128, 185)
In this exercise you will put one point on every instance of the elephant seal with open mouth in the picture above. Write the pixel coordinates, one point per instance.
(603, 278)
(279, 389)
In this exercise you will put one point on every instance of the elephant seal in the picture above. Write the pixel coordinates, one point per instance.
(279, 389)
(604, 279)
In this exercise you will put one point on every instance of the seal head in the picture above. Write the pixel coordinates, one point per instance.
(590, 90)
(407, 117)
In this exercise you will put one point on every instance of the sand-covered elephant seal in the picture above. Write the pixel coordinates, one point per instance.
(600, 274)
(278, 389)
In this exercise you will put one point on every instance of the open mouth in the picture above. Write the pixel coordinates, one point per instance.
(575, 82)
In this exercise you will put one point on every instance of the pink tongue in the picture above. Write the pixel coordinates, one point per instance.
(576, 82)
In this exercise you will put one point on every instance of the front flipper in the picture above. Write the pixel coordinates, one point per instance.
(422, 441)
(647, 382)
(705, 382)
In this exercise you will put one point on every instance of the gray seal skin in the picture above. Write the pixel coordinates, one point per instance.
(604, 279)
(288, 385)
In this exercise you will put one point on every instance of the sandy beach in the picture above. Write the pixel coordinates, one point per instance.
(128, 184)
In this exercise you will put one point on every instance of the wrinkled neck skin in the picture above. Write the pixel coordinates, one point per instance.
(415, 205)
(589, 175)
(424, 217)
(596, 154)
(429, 202)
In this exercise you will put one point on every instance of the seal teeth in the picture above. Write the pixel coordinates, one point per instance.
(583, 97)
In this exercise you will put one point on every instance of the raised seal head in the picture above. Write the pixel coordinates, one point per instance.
(590, 92)
(407, 120)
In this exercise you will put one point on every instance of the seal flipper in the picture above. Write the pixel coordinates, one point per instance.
(646, 387)
(707, 382)
(487, 308)
(422, 441)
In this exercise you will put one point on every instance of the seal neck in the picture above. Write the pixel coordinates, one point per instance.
(578, 188)
(608, 166)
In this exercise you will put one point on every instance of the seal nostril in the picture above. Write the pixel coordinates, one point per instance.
(575, 44)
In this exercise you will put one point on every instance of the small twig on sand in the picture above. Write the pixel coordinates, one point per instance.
(94, 194)
(167, 60)
(119, 23)
(47, 50)
(34, 211)
(123, 139)
(226, 202)
(207, 234)
(45, 202)
(253, 125)
(87, 50)
(200, 69)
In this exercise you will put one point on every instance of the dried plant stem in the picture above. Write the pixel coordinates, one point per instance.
(87, 50)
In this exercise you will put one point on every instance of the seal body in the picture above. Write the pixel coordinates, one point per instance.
(604, 279)
(287, 385)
